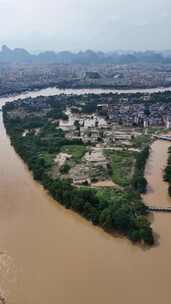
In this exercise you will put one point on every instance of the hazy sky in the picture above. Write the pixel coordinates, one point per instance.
(86, 24)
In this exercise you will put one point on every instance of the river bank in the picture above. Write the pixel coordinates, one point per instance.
(50, 254)
(50, 91)
(108, 88)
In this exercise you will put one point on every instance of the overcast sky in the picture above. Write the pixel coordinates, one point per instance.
(86, 24)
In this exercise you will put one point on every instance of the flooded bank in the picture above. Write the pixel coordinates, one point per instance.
(157, 188)
(51, 255)
(56, 91)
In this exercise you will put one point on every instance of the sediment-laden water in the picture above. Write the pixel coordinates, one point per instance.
(51, 255)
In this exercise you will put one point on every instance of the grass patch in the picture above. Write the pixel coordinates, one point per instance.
(141, 141)
(47, 158)
(77, 151)
(123, 163)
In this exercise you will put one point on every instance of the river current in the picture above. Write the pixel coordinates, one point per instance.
(51, 255)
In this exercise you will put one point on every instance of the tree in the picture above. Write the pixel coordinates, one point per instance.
(105, 219)
(65, 169)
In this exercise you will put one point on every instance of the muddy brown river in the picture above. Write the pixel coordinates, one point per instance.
(51, 255)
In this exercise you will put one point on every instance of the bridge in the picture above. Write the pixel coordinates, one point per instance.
(163, 137)
(159, 209)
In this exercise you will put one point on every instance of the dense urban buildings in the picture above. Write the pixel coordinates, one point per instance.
(21, 71)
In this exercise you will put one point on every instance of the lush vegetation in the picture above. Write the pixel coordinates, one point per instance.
(141, 140)
(77, 151)
(128, 169)
(122, 167)
(167, 172)
(139, 182)
(113, 210)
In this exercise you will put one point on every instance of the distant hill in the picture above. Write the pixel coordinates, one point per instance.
(18, 55)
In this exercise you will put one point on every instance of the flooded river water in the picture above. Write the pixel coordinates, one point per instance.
(51, 255)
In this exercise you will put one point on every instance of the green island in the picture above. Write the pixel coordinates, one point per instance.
(85, 160)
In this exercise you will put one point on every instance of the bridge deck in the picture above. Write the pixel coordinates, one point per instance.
(163, 137)
(159, 209)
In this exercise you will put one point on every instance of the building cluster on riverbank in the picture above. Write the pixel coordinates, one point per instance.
(16, 78)
(116, 119)
(141, 114)
(103, 119)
